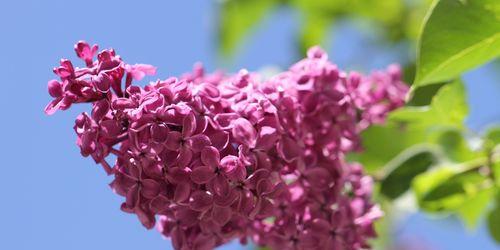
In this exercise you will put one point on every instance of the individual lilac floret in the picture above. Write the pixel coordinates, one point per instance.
(209, 158)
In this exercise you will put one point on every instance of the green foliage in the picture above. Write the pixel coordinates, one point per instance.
(471, 211)
(457, 36)
(456, 189)
(403, 169)
(400, 19)
(237, 18)
(494, 221)
(426, 126)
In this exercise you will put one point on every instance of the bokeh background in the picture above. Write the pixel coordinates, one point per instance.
(52, 198)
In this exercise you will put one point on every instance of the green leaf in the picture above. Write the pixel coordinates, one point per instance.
(494, 222)
(415, 126)
(447, 189)
(457, 35)
(457, 184)
(237, 17)
(314, 30)
(422, 96)
(448, 108)
(470, 212)
(455, 147)
(493, 136)
(496, 173)
(402, 170)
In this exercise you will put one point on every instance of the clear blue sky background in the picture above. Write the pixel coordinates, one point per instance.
(52, 198)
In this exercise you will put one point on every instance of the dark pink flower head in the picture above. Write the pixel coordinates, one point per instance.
(219, 157)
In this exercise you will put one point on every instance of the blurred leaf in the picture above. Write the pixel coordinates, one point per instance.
(494, 222)
(493, 136)
(447, 189)
(404, 168)
(496, 173)
(416, 125)
(314, 30)
(448, 108)
(237, 17)
(457, 35)
(456, 147)
(470, 212)
(454, 185)
(400, 19)
(423, 95)
(423, 183)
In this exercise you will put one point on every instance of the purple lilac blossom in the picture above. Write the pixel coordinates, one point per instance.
(209, 158)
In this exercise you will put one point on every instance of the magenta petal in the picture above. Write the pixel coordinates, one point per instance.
(227, 199)
(320, 225)
(188, 125)
(203, 242)
(318, 177)
(185, 156)
(220, 185)
(110, 128)
(135, 173)
(264, 186)
(55, 88)
(267, 138)
(150, 188)
(132, 196)
(202, 174)
(210, 157)
(178, 238)
(53, 106)
(102, 82)
(201, 201)
(138, 71)
(256, 176)
(219, 139)
(178, 175)
(123, 103)
(263, 208)
(100, 109)
(182, 192)
(158, 204)
(233, 168)
(159, 132)
(173, 140)
(224, 120)
(289, 149)
(147, 219)
(199, 142)
(221, 215)
(244, 132)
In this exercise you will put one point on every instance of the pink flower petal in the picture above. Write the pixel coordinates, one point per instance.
(289, 149)
(150, 188)
(244, 132)
(188, 125)
(202, 174)
(159, 132)
(210, 157)
(201, 201)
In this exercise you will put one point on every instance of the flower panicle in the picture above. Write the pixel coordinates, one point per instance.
(209, 158)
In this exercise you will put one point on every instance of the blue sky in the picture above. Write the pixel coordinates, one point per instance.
(52, 198)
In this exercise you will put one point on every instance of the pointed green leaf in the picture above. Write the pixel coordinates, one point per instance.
(404, 168)
(470, 212)
(494, 222)
(457, 35)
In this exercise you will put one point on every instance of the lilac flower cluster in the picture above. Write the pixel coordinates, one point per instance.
(209, 158)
